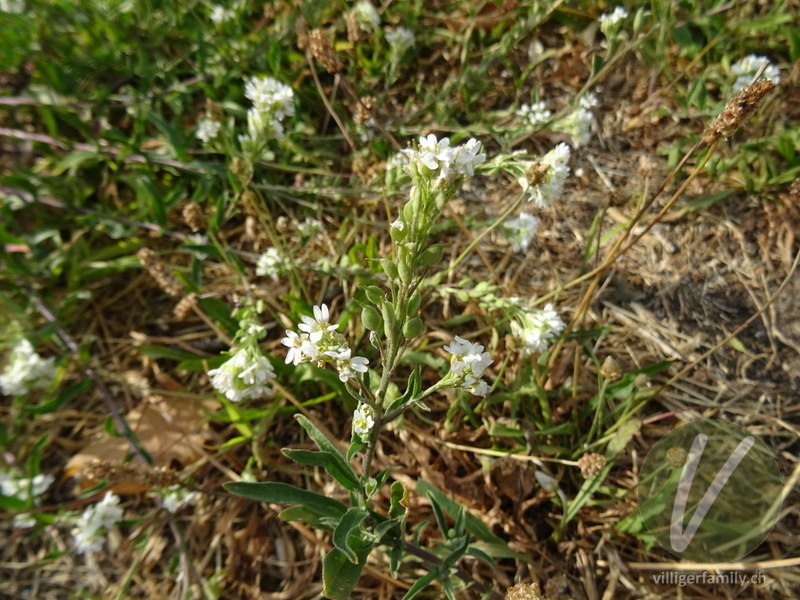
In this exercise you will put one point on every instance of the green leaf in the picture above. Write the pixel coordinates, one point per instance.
(164, 352)
(350, 522)
(64, 396)
(342, 467)
(622, 436)
(420, 584)
(283, 493)
(306, 515)
(326, 460)
(72, 161)
(339, 575)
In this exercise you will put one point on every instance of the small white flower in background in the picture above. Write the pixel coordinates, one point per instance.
(400, 40)
(609, 22)
(220, 14)
(363, 421)
(397, 161)
(311, 227)
(25, 490)
(588, 101)
(26, 370)
(319, 342)
(176, 497)
(578, 123)
(535, 114)
(366, 15)
(270, 96)
(547, 191)
(537, 328)
(270, 264)
(96, 520)
(467, 364)
(12, 7)
(207, 130)
(245, 375)
(746, 68)
(521, 231)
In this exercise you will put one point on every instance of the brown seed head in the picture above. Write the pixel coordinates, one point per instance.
(611, 369)
(194, 216)
(536, 173)
(159, 271)
(319, 43)
(794, 191)
(744, 104)
(363, 109)
(524, 591)
(591, 464)
(130, 472)
(184, 308)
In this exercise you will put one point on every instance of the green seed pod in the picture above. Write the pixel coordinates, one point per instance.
(389, 268)
(413, 328)
(371, 319)
(398, 231)
(432, 255)
(387, 311)
(413, 304)
(406, 273)
(375, 294)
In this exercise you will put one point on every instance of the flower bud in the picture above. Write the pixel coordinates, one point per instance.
(389, 268)
(413, 304)
(432, 255)
(371, 319)
(375, 294)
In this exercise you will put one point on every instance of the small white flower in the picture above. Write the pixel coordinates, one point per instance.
(26, 370)
(311, 227)
(537, 328)
(220, 14)
(400, 40)
(609, 22)
(521, 231)
(270, 264)
(12, 7)
(548, 191)
(363, 420)
(746, 68)
(467, 156)
(89, 533)
(467, 364)
(295, 344)
(28, 491)
(578, 124)
(270, 96)
(207, 130)
(588, 101)
(316, 327)
(176, 497)
(366, 15)
(357, 364)
(243, 376)
(535, 114)
(398, 225)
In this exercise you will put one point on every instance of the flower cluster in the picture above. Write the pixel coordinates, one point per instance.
(610, 21)
(245, 375)
(400, 40)
(310, 228)
(537, 328)
(435, 162)
(26, 370)
(207, 130)
(175, 497)
(319, 342)
(26, 490)
(535, 114)
(467, 364)
(273, 101)
(89, 533)
(366, 15)
(363, 422)
(746, 68)
(270, 264)
(578, 124)
(549, 186)
(220, 14)
(521, 231)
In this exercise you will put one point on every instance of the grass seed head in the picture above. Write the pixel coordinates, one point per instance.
(160, 271)
(321, 48)
(744, 104)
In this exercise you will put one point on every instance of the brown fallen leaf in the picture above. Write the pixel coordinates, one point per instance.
(171, 429)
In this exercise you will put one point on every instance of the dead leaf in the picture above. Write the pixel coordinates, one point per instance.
(169, 428)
